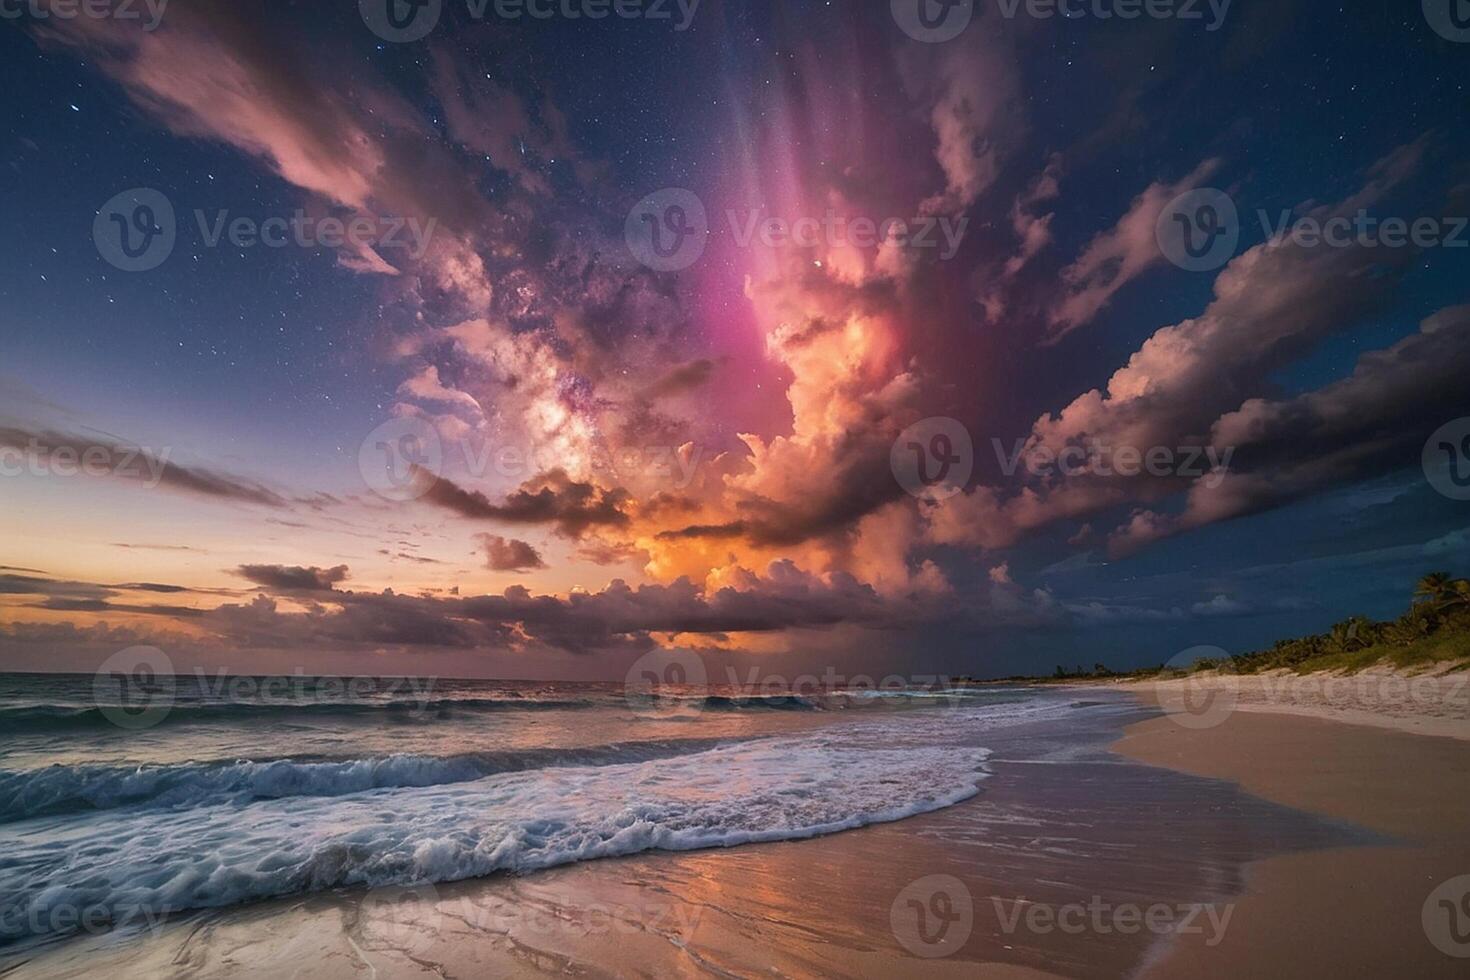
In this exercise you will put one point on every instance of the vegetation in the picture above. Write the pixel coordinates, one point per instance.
(1435, 629)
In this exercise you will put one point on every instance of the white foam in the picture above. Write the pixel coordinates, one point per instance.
(764, 790)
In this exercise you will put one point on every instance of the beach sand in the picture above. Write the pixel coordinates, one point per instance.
(1338, 894)
(1434, 701)
(1351, 912)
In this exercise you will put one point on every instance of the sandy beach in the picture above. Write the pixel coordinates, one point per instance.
(1382, 749)
(1353, 912)
(1435, 701)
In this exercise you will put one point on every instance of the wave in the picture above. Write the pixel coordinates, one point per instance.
(48, 716)
(71, 789)
(112, 864)
(61, 717)
(772, 702)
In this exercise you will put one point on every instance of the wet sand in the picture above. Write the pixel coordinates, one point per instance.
(1354, 912)
(1294, 847)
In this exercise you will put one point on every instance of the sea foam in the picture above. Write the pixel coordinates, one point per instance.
(114, 862)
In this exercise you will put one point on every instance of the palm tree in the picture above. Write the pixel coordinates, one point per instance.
(1457, 593)
(1434, 587)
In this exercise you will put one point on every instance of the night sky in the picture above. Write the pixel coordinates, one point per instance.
(712, 457)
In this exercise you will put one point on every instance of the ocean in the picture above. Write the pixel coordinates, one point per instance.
(124, 804)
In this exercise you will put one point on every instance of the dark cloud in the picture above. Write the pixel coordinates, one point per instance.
(62, 452)
(294, 578)
(609, 553)
(102, 605)
(571, 507)
(158, 547)
(1373, 422)
(508, 554)
(38, 585)
(681, 379)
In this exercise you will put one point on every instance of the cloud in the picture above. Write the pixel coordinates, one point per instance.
(681, 379)
(43, 585)
(294, 578)
(427, 386)
(974, 95)
(1117, 256)
(1272, 305)
(491, 120)
(620, 617)
(508, 554)
(571, 507)
(1220, 605)
(64, 453)
(1374, 421)
(214, 69)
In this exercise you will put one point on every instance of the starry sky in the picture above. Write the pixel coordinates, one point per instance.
(514, 444)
